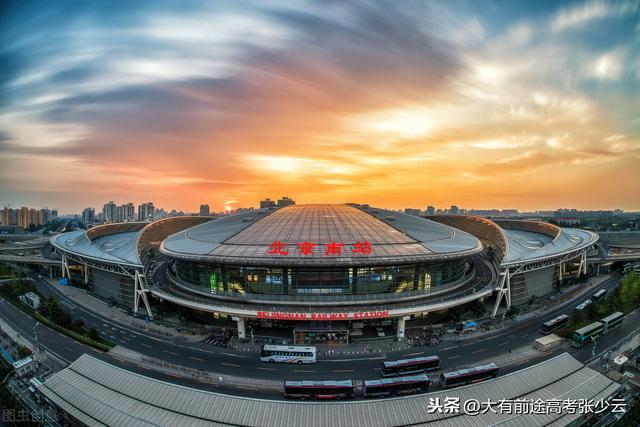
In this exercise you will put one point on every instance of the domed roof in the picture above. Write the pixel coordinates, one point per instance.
(319, 235)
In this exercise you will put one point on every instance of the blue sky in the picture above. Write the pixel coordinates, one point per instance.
(482, 104)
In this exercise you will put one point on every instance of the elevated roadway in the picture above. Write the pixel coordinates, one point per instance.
(229, 362)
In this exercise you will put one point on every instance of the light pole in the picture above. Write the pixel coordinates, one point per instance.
(35, 333)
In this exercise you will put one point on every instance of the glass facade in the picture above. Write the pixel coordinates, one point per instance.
(320, 281)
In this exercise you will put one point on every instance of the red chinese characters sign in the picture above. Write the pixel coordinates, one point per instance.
(347, 315)
(279, 248)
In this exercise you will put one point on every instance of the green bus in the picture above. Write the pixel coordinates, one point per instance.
(584, 335)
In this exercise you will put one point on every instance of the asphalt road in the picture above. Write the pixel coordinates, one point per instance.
(224, 361)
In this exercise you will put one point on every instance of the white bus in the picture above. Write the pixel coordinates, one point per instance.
(611, 321)
(288, 354)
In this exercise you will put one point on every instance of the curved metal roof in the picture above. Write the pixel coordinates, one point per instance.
(524, 241)
(98, 393)
(120, 243)
(247, 238)
(118, 248)
(527, 246)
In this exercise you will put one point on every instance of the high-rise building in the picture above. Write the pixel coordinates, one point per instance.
(285, 201)
(146, 212)
(267, 203)
(412, 211)
(109, 212)
(88, 216)
(44, 216)
(24, 217)
(431, 210)
(126, 213)
(204, 210)
(454, 210)
(5, 216)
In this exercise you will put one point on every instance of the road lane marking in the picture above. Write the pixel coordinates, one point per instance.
(265, 369)
(337, 371)
(246, 387)
(195, 358)
(415, 354)
(303, 370)
(447, 348)
(230, 364)
(234, 355)
(504, 343)
(454, 357)
(351, 360)
(146, 345)
(142, 366)
(67, 348)
(170, 352)
(481, 350)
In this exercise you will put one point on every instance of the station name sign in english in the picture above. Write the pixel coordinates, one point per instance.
(348, 315)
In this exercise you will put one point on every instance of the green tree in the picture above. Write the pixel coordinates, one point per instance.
(629, 292)
(77, 326)
(94, 334)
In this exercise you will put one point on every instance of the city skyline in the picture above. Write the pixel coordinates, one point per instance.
(388, 105)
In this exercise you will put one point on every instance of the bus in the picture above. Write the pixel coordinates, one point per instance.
(416, 365)
(611, 321)
(396, 386)
(584, 305)
(288, 354)
(584, 335)
(599, 296)
(468, 376)
(318, 389)
(553, 324)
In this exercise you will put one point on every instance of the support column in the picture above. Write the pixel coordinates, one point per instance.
(65, 268)
(504, 290)
(242, 330)
(401, 325)
(140, 290)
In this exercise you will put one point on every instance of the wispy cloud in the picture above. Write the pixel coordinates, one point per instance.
(392, 104)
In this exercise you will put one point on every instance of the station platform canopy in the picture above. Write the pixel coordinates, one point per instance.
(95, 392)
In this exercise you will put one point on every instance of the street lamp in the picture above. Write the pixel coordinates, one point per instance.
(35, 333)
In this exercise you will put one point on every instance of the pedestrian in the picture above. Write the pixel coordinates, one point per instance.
(509, 351)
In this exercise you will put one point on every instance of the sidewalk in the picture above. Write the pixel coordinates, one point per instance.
(118, 315)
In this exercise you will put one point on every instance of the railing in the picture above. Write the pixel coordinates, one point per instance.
(328, 299)
(477, 286)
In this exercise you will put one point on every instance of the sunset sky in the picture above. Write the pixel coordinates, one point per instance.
(511, 104)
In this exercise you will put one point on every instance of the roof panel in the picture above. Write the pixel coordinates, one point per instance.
(118, 397)
(394, 237)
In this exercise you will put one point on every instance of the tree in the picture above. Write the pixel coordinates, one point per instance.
(629, 292)
(77, 325)
(94, 334)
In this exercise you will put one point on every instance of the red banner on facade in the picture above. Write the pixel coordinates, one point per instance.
(347, 315)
